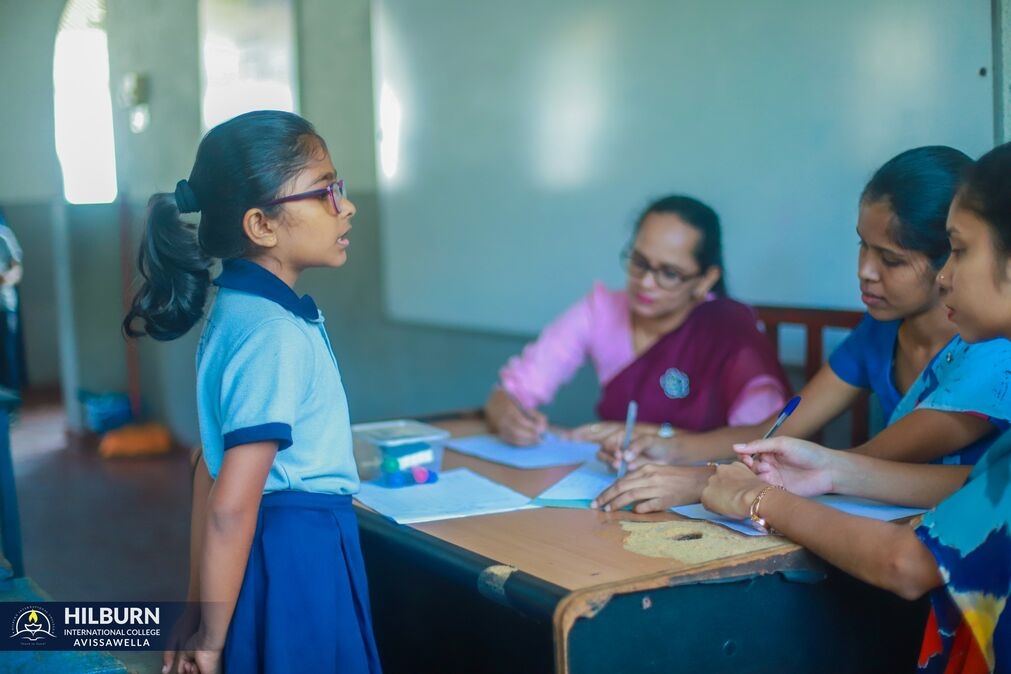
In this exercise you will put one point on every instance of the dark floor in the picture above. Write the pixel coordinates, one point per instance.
(96, 529)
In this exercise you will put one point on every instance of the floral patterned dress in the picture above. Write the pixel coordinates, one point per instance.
(969, 534)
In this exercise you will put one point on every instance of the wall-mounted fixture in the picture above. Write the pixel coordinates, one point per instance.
(135, 96)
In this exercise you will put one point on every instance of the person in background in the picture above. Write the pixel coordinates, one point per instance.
(12, 364)
(671, 340)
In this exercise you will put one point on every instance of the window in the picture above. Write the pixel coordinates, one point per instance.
(83, 104)
(248, 57)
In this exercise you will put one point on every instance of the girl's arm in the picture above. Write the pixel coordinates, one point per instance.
(925, 435)
(884, 554)
(232, 508)
(809, 469)
(202, 484)
(189, 622)
(917, 485)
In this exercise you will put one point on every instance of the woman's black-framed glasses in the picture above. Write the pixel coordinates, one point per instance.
(334, 190)
(666, 277)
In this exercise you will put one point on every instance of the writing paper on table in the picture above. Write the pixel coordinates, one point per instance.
(848, 504)
(578, 488)
(551, 451)
(458, 493)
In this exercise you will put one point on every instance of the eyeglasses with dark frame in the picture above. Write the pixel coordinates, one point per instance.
(334, 190)
(666, 277)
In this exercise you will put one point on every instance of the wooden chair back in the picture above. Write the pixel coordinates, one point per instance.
(815, 322)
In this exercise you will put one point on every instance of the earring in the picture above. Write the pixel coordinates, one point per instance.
(940, 277)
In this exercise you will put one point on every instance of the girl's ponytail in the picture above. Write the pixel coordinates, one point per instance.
(176, 272)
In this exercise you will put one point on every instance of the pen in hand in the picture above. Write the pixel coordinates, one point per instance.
(528, 414)
(633, 410)
(787, 411)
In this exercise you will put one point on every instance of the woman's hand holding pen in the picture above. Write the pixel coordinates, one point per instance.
(514, 423)
(645, 448)
(803, 467)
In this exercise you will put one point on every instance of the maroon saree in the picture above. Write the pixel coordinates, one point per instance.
(691, 377)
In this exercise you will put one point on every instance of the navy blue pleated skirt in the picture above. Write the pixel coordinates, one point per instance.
(304, 603)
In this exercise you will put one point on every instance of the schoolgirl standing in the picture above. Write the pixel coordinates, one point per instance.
(279, 570)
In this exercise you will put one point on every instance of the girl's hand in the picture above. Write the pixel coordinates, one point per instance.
(803, 467)
(199, 657)
(654, 488)
(645, 448)
(514, 424)
(184, 628)
(731, 491)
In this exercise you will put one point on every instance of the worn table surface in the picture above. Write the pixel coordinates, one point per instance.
(580, 548)
(580, 591)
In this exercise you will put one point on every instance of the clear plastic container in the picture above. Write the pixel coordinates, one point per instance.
(400, 452)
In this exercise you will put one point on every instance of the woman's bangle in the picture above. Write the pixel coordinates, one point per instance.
(757, 520)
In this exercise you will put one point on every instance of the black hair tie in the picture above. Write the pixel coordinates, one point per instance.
(186, 198)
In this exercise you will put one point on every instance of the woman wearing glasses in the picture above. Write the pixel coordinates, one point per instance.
(671, 340)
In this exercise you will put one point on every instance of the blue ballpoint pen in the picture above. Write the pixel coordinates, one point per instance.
(633, 410)
(787, 411)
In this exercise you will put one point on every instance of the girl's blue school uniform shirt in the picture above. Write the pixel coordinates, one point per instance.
(968, 378)
(266, 372)
(864, 360)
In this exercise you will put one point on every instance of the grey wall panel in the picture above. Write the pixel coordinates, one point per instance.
(527, 136)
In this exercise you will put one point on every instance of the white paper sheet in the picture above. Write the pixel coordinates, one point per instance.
(552, 451)
(579, 487)
(848, 504)
(458, 493)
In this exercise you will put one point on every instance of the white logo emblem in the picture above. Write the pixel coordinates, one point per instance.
(32, 624)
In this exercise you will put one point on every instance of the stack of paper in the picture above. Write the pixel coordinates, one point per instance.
(458, 493)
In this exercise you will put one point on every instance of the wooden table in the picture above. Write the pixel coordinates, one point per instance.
(582, 591)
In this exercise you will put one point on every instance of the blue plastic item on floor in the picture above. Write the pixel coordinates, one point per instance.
(105, 411)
